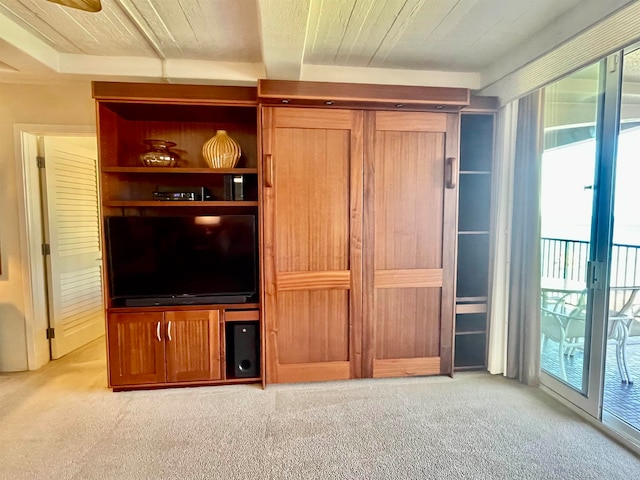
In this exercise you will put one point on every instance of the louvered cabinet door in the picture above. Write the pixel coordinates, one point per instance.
(410, 225)
(192, 339)
(312, 243)
(136, 348)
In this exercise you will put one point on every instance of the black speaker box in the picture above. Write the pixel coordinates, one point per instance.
(234, 187)
(243, 357)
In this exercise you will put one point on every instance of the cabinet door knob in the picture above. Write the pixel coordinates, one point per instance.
(158, 332)
(268, 170)
(452, 172)
(169, 330)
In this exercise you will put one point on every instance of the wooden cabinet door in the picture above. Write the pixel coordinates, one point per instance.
(312, 245)
(192, 339)
(410, 239)
(136, 348)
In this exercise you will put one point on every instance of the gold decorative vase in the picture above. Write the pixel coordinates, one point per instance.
(221, 151)
(158, 154)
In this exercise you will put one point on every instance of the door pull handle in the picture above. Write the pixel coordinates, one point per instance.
(452, 172)
(268, 170)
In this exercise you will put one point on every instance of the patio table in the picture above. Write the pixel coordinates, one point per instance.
(620, 321)
(556, 291)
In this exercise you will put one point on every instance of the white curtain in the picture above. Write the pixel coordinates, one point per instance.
(502, 202)
(523, 336)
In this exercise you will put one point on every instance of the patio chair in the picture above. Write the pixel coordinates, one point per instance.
(563, 321)
(622, 326)
(633, 332)
(566, 329)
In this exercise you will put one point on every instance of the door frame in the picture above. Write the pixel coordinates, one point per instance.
(30, 229)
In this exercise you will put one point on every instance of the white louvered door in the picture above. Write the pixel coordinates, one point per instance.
(72, 226)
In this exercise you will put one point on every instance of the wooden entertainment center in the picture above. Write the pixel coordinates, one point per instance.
(355, 191)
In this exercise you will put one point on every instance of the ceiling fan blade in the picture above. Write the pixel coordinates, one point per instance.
(86, 5)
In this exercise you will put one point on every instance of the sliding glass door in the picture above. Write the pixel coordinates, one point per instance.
(582, 112)
(621, 401)
(590, 241)
(568, 178)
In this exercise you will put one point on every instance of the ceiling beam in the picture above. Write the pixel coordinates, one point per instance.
(129, 9)
(390, 76)
(170, 70)
(283, 30)
(23, 50)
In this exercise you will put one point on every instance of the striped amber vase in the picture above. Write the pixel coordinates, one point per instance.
(221, 151)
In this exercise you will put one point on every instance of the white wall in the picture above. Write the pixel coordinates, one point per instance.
(60, 104)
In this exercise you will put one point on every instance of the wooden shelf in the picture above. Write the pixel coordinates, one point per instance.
(179, 170)
(242, 380)
(169, 204)
(470, 367)
(471, 308)
(471, 299)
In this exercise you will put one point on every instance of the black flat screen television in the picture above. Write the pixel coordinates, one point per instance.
(181, 260)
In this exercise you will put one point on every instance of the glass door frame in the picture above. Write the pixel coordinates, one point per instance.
(607, 128)
(629, 434)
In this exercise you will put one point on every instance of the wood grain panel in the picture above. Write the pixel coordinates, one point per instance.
(411, 122)
(312, 326)
(363, 93)
(136, 355)
(340, 280)
(356, 242)
(408, 278)
(311, 170)
(313, 240)
(107, 127)
(407, 323)
(406, 367)
(368, 245)
(409, 177)
(449, 253)
(269, 306)
(314, 119)
(241, 315)
(175, 93)
(313, 372)
(192, 340)
(189, 137)
(405, 178)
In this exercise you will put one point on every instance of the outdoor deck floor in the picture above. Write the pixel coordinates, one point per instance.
(620, 399)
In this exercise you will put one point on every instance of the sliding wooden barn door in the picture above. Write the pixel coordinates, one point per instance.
(312, 246)
(410, 225)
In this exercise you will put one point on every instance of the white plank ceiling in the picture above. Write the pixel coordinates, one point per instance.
(451, 42)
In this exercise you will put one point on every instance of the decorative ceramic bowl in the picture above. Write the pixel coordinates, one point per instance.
(158, 154)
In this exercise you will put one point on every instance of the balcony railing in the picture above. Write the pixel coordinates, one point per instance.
(567, 259)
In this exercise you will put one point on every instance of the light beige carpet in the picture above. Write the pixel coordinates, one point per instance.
(63, 423)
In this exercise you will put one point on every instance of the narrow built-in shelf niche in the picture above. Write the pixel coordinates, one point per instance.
(474, 225)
